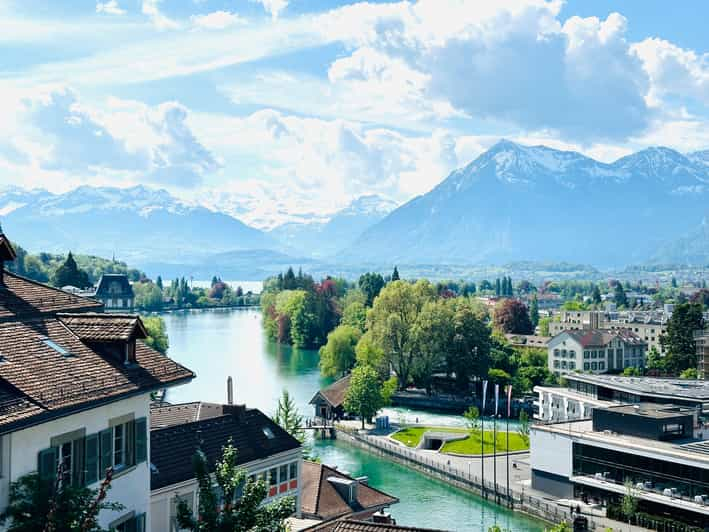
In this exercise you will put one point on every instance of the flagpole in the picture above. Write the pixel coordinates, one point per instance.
(482, 442)
(509, 395)
(494, 443)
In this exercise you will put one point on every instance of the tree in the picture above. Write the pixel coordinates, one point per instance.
(395, 275)
(148, 296)
(678, 340)
(534, 311)
(619, 295)
(364, 395)
(523, 429)
(241, 506)
(432, 336)
(469, 353)
(367, 353)
(371, 284)
(511, 316)
(355, 315)
(288, 417)
(544, 326)
(498, 287)
(596, 295)
(674, 282)
(499, 376)
(391, 321)
(158, 283)
(36, 504)
(654, 360)
(472, 418)
(69, 274)
(631, 371)
(157, 333)
(689, 373)
(560, 527)
(629, 504)
(338, 355)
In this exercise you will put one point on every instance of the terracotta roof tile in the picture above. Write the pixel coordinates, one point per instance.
(167, 415)
(96, 327)
(335, 393)
(351, 525)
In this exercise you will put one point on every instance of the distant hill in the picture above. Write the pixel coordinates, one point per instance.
(323, 239)
(135, 224)
(535, 203)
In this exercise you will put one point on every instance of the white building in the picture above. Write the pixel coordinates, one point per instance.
(595, 351)
(75, 391)
(264, 449)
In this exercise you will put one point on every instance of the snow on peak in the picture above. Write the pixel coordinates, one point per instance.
(371, 204)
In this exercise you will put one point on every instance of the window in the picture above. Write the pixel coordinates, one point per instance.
(676, 429)
(52, 344)
(563, 364)
(572, 354)
(556, 363)
(594, 354)
(556, 352)
(602, 366)
(130, 523)
(273, 477)
(118, 446)
(586, 366)
(294, 470)
(572, 365)
(188, 499)
(586, 354)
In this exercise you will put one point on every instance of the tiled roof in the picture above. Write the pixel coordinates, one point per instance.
(108, 279)
(94, 327)
(53, 371)
(319, 498)
(167, 415)
(335, 393)
(23, 297)
(351, 525)
(172, 447)
(601, 338)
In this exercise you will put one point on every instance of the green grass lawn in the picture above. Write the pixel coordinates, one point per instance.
(411, 437)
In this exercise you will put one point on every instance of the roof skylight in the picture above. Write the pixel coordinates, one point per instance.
(51, 343)
(268, 432)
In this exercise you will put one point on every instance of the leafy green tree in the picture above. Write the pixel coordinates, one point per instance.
(288, 417)
(148, 296)
(689, 373)
(36, 504)
(674, 282)
(472, 418)
(242, 507)
(534, 311)
(523, 428)
(596, 295)
(499, 376)
(371, 284)
(338, 356)
(368, 353)
(631, 371)
(391, 321)
(469, 353)
(70, 274)
(355, 315)
(654, 360)
(389, 388)
(544, 326)
(158, 283)
(498, 287)
(511, 316)
(629, 503)
(678, 340)
(364, 395)
(432, 336)
(157, 333)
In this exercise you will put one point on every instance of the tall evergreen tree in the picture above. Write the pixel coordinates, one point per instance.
(534, 311)
(395, 275)
(596, 294)
(158, 282)
(70, 274)
(678, 340)
(498, 287)
(619, 296)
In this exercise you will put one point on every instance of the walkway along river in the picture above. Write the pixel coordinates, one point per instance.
(219, 343)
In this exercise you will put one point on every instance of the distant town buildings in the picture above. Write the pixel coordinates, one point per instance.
(595, 351)
(115, 292)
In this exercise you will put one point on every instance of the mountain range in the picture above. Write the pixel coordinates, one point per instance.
(512, 203)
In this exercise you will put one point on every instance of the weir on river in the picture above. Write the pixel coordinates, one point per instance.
(219, 343)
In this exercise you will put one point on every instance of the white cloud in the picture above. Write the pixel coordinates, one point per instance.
(217, 20)
(110, 7)
(674, 71)
(159, 20)
(274, 7)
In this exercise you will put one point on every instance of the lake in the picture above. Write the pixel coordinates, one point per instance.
(222, 342)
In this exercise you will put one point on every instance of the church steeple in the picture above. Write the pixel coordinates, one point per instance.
(6, 254)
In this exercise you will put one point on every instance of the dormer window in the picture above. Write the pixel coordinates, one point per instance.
(130, 353)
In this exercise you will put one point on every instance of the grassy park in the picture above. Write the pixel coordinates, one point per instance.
(472, 445)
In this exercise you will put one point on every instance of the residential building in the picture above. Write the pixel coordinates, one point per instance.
(528, 340)
(264, 449)
(701, 341)
(661, 450)
(329, 402)
(75, 388)
(583, 392)
(115, 292)
(329, 495)
(595, 351)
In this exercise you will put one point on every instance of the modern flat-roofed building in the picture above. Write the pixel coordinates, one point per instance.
(661, 450)
(584, 392)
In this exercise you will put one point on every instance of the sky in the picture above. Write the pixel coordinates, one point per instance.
(286, 110)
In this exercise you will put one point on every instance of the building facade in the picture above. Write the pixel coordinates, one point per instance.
(115, 292)
(595, 351)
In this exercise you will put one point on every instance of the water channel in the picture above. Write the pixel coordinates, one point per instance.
(220, 343)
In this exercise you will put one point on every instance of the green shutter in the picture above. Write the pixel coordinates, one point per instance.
(47, 464)
(77, 462)
(140, 523)
(141, 440)
(106, 439)
(130, 443)
(92, 459)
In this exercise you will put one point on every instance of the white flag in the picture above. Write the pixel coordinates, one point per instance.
(497, 397)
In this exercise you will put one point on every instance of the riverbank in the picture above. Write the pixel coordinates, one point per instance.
(483, 477)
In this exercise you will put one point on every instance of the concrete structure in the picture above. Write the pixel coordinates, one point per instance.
(115, 292)
(595, 351)
(584, 392)
(660, 449)
(701, 341)
(75, 388)
(264, 449)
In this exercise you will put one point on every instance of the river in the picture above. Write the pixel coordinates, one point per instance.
(231, 342)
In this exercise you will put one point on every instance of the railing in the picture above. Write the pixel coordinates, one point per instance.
(513, 498)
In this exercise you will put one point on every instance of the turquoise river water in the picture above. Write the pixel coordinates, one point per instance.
(221, 343)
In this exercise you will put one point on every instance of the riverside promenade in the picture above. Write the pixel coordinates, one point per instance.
(466, 472)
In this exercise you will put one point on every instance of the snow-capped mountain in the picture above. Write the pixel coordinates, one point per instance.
(136, 224)
(321, 239)
(519, 202)
(701, 157)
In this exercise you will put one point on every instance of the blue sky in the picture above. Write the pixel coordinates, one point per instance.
(286, 110)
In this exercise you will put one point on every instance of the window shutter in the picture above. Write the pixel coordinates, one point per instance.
(130, 443)
(106, 439)
(141, 440)
(47, 464)
(92, 459)
(77, 462)
(140, 523)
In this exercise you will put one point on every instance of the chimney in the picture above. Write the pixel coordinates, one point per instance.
(229, 390)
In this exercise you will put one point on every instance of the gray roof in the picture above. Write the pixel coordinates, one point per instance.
(653, 386)
(108, 279)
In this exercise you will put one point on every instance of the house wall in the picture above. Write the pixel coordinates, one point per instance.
(131, 487)
(551, 457)
(161, 499)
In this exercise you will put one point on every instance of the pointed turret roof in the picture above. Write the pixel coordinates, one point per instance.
(6, 250)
